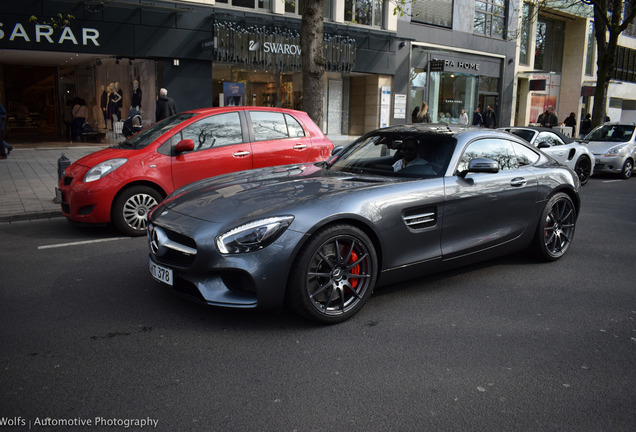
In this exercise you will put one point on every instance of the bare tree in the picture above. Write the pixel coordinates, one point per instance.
(313, 59)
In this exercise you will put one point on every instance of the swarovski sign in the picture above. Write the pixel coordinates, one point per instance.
(42, 33)
(275, 47)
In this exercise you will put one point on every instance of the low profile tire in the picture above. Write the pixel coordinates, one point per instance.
(556, 228)
(333, 275)
(583, 169)
(628, 168)
(131, 208)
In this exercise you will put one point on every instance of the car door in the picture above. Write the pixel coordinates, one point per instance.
(485, 210)
(219, 148)
(278, 139)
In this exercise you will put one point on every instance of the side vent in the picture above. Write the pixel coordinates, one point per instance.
(420, 218)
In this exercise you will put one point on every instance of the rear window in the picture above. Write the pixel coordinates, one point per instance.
(274, 125)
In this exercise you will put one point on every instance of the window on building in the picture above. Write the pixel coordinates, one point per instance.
(364, 12)
(625, 64)
(548, 55)
(252, 4)
(589, 56)
(436, 12)
(490, 18)
(524, 36)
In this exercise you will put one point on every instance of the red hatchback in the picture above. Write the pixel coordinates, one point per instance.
(121, 184)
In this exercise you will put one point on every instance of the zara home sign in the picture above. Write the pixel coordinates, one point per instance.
(42, 33)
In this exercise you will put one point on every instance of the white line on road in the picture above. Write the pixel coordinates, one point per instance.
(80, 243)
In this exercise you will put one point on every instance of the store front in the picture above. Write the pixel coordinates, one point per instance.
(453, 81)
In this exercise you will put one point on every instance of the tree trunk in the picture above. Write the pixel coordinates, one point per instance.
(313, 60)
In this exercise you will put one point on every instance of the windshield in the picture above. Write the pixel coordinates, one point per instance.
(614, 133)
(154, 131)
(406, 154)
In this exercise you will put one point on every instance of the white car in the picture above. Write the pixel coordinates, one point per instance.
(614, 146)
(560, 147)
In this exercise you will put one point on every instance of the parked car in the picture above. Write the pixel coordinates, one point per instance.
(323, 236)
(614, 146)
(121, 185)
(562, 148)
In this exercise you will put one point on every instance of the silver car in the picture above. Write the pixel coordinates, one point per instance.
(614, 147)
(562, 148)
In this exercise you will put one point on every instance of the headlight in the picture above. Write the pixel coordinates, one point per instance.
(103, 168)
(253, 236)
(613, 152)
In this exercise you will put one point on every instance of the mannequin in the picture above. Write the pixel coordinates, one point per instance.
(136, 96)
(103, 103)
(113, 105)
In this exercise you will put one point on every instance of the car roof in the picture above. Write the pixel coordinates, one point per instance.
(216, 110)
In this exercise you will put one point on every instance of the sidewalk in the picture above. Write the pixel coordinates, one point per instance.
(28, 177)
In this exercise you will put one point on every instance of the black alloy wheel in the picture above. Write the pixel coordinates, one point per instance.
(583, 169)
(556, 227)
(333, 275)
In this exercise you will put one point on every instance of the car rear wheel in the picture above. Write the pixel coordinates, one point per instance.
(628, 168)
(131, 208)
(583, 169)
(333, 275)
(556, 227)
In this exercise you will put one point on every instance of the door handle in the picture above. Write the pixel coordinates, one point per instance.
(300, 146)
(518, 182)
(241, 153)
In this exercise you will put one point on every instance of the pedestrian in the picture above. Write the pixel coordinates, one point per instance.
(80, 113)
(165, 106)
(570, 121)
(542, 117)
(550, 120)
(463, 118)
(586, 125)
(478, 120)
(5, 148)
(490, 119)
(422, 114)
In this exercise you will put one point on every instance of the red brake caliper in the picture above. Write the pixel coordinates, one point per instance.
(355, 270)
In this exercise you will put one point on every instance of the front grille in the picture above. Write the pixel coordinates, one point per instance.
(239, 282)
(180, 238)
(188, 289)
(172, 256)
(68, 181)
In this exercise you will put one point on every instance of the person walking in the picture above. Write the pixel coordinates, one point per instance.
(550, 119)
(422, 115)
(165, 106)
(478, 120)
(5, 148)
(463, 118)
(490, 119)
(586, 125)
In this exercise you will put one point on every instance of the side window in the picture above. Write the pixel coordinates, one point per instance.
(498, 150)
(550, 138)
(295, 129)
(525, 155)
(214, 131)
(268, 125)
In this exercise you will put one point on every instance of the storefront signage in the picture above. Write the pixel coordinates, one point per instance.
(454, 64)
(42, 33)
(262, 46)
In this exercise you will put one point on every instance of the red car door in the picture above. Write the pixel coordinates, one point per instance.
(219, 148)
(279, 139)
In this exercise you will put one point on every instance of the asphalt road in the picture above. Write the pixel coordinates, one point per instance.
(89, 342)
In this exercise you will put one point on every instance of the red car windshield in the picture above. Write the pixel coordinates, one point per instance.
(154, 131)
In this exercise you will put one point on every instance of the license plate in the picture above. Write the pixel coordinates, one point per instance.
(160, 273)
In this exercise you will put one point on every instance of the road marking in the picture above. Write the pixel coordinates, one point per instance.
(80, 243)
(612, 181)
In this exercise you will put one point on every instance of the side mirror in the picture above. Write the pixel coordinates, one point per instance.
(480, 165)
(185, 145)
(543, 145)
(336, 150)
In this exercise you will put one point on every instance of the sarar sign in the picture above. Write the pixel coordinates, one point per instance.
(45, 34)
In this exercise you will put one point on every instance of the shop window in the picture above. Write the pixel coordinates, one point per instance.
(490, 18)
(214, 131)
(268, 125)
(293, 6)
(496, 149)
(364, 12)
(436, 12)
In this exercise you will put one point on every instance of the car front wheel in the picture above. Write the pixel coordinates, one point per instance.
(583, 169)
(333, 275)
(556, 227)
(131, 208)
(628, 168)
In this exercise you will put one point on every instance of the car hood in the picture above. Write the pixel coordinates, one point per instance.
(600, 147)
(252, 194)
(93, 159)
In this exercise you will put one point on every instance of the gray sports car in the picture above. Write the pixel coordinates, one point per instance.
(397, 203)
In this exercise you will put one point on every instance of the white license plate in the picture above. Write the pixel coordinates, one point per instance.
(160, 273)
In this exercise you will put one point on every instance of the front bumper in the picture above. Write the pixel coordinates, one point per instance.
(86, 202)
(612, 165)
